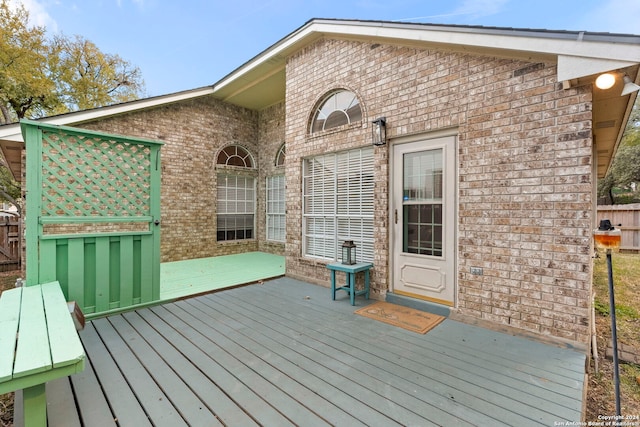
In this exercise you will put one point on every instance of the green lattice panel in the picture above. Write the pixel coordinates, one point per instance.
(89, 176)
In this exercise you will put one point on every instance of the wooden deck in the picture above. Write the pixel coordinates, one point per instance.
(283, 353)
(179, 279)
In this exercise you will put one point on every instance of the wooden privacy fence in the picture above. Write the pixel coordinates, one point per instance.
(629, 217)
(9, 243)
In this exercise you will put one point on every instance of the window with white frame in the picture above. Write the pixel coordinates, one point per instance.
(338, 108)
(338, 204)
(236, 207)
(236, 201)
(276, 208)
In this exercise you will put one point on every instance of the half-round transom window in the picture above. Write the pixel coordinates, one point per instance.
(338, 109)
(234, 155)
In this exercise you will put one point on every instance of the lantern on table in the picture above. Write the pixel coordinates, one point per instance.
(348, 252)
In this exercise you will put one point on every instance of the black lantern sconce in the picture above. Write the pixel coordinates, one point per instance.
(379, 131)
(348, 252)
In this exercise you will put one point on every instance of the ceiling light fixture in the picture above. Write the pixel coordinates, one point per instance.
(605, 81)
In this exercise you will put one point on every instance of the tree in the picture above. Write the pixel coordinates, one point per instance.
(632, 130)
(40, 76)
(625, 170)
(10, 190)
(626, 166)
(88, 78)
(25, 84)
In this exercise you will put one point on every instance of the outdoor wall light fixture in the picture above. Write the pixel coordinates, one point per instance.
(629, 86)
(379, 131)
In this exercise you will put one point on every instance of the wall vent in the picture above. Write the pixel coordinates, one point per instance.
(605, 124)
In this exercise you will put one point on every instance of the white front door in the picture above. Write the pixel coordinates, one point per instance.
(423, 218)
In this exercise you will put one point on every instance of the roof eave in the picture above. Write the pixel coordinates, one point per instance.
(11, 132)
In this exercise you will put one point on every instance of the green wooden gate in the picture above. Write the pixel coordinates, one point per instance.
(93, 215)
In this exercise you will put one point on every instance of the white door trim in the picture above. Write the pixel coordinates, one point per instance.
(452, 132)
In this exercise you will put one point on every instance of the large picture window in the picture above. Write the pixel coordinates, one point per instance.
(276, 208)
(338, 204)
(236, 202)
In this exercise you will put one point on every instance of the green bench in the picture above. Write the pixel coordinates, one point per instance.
(38, 343)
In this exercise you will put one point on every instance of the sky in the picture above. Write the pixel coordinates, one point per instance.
(187, 44)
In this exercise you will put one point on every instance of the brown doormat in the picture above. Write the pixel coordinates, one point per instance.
(404, 317)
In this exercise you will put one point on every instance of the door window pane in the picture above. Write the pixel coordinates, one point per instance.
(422, 202)
(422, 175)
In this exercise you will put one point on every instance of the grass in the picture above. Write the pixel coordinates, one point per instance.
(626, 285)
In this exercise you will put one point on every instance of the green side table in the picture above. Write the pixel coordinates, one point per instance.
(350, 273)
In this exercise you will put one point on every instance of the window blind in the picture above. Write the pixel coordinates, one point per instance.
(276, 202)
(338, 203)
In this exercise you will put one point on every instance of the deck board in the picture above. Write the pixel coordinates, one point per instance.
(148, 325)
(329, 359)
(153, 399)
(284, 353)
(270, 383)
(467, 364)
(107, 379)
(318, 377)
(89, 397)
(288, 376)
(229, 371)
(188, 404)
(355, 348)
(61, 404)
(189, 277)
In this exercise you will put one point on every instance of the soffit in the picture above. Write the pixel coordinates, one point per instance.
(610, 115)
(261, 81)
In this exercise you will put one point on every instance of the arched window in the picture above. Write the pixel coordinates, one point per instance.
(276, 201)
(280, 157)
(339, 108)
(234, 155)
(236, 202)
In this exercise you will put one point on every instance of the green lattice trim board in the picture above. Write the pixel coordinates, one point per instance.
(88, 175)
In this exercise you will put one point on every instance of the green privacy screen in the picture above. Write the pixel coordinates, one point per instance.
(93, 215)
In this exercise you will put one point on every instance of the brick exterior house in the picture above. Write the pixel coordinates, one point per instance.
(512, 115)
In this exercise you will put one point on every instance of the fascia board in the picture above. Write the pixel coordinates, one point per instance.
(12, 132)
(523, 41)
(518, 43)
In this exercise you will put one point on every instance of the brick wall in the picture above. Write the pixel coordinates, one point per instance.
(524, 158)
(193, 131)
(524, 167)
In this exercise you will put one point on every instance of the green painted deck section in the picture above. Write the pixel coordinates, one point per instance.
(179, 279)
(283, 353)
